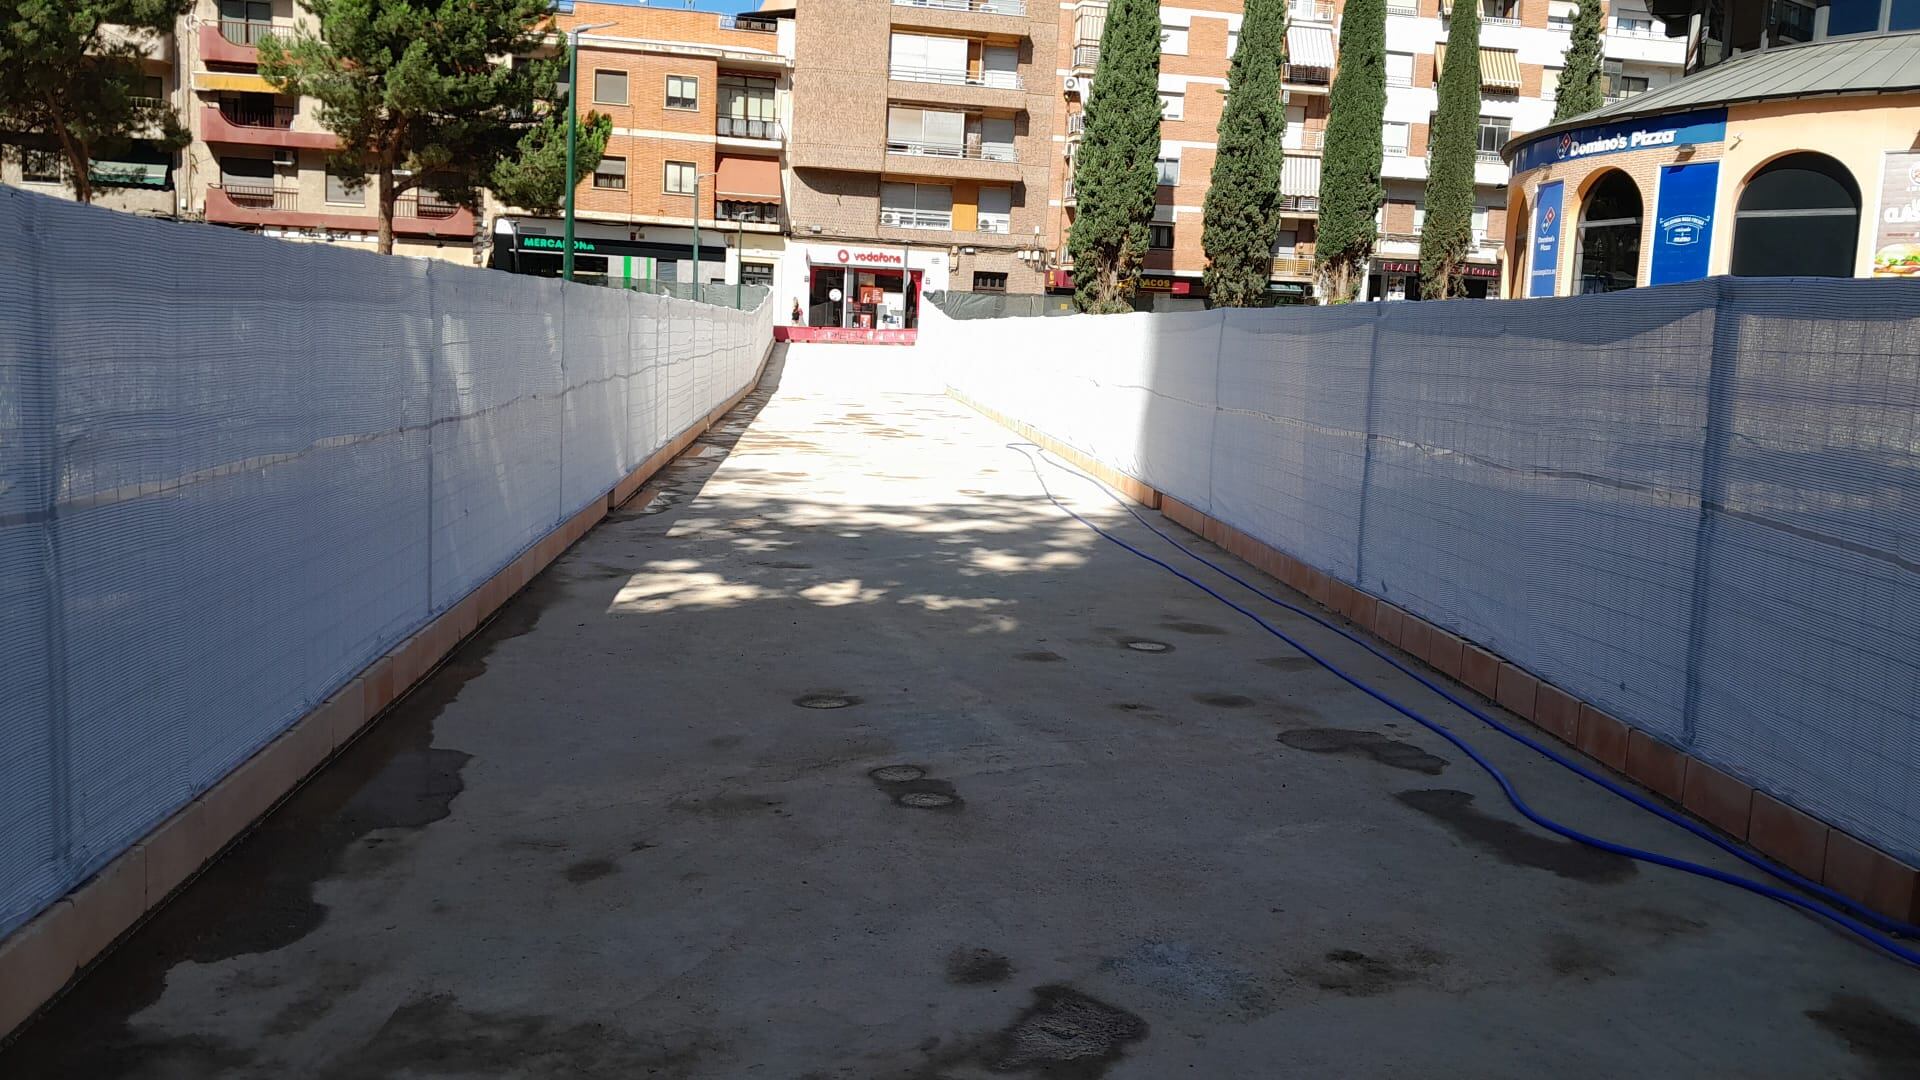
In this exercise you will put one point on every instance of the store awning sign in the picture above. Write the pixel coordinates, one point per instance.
(1683, 227)
(1545, 249)
(1680, 129)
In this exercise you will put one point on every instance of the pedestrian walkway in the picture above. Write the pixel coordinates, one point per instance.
(842, 752)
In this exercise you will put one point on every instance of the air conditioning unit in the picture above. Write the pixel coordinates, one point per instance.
(285, 157)
(1070, 84)
(889, 217)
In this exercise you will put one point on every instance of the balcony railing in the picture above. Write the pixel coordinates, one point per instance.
(972, 152)
(1652, 32)
(1399, 80)
(260, 194)
(1000, 80)
(1394, 7)
(1293, 265)
(1076, 123)
(990, 7)
(1492, 156)
(246, 114)
(751, 212)
(1300, 204)
(752, 23)
(251, 32)
(1499, 20)
(148, 102)
(1311, 10)
(423, 204)
(1066, 193)
(740, 127)
(1086, 55)
(1311, 76)
(916, 219)
(1306, 139)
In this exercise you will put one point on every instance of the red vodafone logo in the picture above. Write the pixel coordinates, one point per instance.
(884, 258)
(844, 256)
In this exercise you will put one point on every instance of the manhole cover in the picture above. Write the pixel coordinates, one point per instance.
(925, 800)
(1148, 646)
(823, 701)
(897, 774)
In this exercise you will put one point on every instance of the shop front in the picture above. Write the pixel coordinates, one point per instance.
(1399, 279)
(1158, 290)
(856, 293)
(613, 255)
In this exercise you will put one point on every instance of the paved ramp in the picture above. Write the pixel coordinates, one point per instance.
(841, 752)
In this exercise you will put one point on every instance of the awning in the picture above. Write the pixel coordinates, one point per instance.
(129, 173)
(1300, 176)
(234, 81)
(1310, 46)
(746, 179)
(1499, 68)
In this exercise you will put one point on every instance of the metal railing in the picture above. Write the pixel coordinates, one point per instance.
(1066, 193)
(1076, 123)
(251, 31)
(423, 204)
(916, 219)
(741, 127)
(999, 80)
(1390, 150)
(260, 194)
(972, 152)
(1311, 10)
(1487, 155)
(1292, 266)
(1300, 204)
(249, 114)
(1396, 8)
(990, 7)
(1500, 20)
(1650, 32)
(753, 213)
(1306, 139)
(751, 23)
(1086, 55)
(1311, 76)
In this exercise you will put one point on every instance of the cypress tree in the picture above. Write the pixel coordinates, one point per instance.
(1448, 235)
(1579, 90)
(1350, 191)
(1243, 196)
(1115, 177)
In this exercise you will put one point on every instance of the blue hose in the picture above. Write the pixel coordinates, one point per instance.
(1868, 926)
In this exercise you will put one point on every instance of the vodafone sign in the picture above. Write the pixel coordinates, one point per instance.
(856, 257)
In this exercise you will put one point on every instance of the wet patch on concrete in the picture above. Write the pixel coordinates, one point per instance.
(1518, 845)
(826, 699)
(1352, 973)
(1655, 923)
(977, 967)
(1224, 701)
(726, 742)
(1039, 657)
(1366, 744)
(725, 807)
(1198, 628)
(1063, 1035)
(1194, 975)
(590, 870)
(1885, 1041)
(911, 787)
(1576, 958)
(1290, 663)
(435, 1036)
(1145, 645)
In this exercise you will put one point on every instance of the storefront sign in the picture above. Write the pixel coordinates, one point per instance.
(1408, 266)
(1544, 276)
(1896, 236)
(1165, 284)
(554, 243)
(1683, 227)
(862, 257)
(1683, 129)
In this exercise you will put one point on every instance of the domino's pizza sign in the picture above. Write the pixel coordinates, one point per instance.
(1679, 129)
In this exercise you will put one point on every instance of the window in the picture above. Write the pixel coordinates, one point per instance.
(1798, 217)
(1626, 86)
(1295, 137)
(1393, 138)
(984, 281)
(1794, 22)
(759, 213)
(1852, 17)
(1633, 24)
(1169, 166)
(1233, 43)
(680, 177)
(996, 210)
(747, 107)
(926, 131)
(1561, 13)
(928, 58)
(916, 206)
(153, 87)
(1159, 235)
(1905, 15)
(1284, 242)
(1172, 106)
(1399, 69)
(40, 166)
(611, 173)
(1607, 248)
(1503, 11)
(683, 92)
(610, 87)
(996, 138)
(1494, 131)
(756, 274)
(1173, 40)
(1550, 83)
(1000, 66)
(346, 190)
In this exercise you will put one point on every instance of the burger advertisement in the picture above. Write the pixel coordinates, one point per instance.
(1896, 241)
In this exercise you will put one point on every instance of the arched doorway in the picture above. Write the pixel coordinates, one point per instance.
(1519, 241)
(1799, 216)
(1607, 255)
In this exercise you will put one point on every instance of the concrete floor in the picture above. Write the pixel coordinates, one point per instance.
(611, 838)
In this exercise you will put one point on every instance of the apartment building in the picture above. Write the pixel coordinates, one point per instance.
(920, 155)
(1522, 48)
(700, 104)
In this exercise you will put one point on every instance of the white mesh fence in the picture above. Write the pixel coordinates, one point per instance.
(235, 471)
(1697, 506)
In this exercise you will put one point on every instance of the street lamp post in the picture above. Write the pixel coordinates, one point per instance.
(699, 292)
(573, 137)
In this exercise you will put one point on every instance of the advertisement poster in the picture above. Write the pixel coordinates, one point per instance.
(1683, 227)
(1546, 239)
(1896, 232)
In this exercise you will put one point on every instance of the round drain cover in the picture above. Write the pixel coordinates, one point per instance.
(897, 774)
(823, 701)
(925, 800)
(1148, 646)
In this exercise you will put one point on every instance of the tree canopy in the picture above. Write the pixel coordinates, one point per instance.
(1579, 89)
(1115, 174)
(1243, 197)
(1447, 237)
(1350, 190)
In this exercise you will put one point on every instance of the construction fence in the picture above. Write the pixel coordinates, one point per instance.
(234, 471)
(1696, 506)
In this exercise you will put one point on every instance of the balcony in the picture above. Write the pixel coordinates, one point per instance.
(1311, 80)
(979, 90)
(237, 41)
(974, 161)
(1017, 8)
(740, 127)
(1310, 11)
(1305, 140)
(941, 220)
(1294, 267)
(1066, 193)
(240, 124)
(753, 24)
(1395, 7)
(1086, 57)
(998, 80)
(266, 204)
(1300, 205)
(1076, 124)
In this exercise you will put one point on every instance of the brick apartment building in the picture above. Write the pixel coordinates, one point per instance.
(920, 154)
(1522, 46)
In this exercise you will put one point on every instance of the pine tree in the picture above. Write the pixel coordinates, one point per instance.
(68, 83)
(1448, 235)
(1243, 196)
(1115, 176)
(1579, 90)
(418, 90)
(534, 177)
(1350, 191)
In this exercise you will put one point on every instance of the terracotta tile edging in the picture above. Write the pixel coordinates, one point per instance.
(39, 959)
(1782, 832)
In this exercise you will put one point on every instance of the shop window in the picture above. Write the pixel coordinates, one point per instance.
(1607, 247)
(610, 87)
(989, 282)
(611, 174)
(680, 177)
(1798, 217)
(683, 92)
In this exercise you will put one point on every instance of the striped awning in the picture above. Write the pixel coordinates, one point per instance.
(1499, 68)
(129, 173)
(1300, 175)
(1310, 46)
